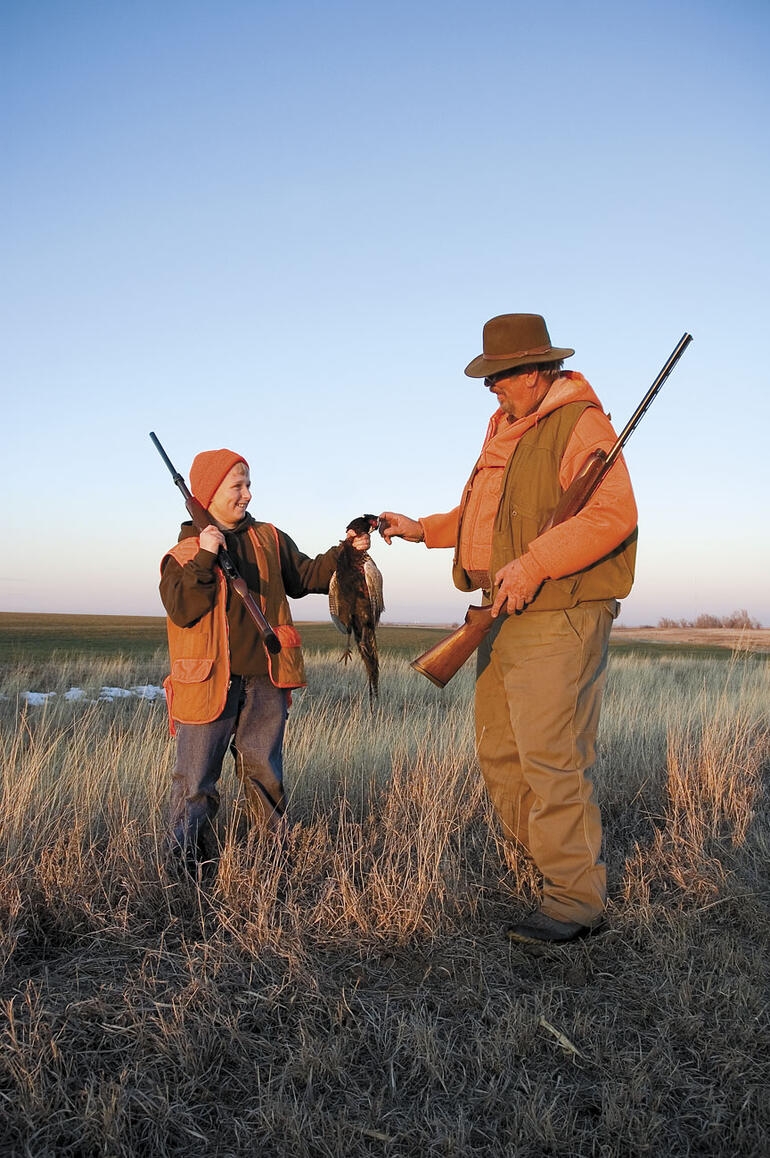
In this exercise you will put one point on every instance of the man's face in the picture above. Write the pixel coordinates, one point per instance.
(517, 393)
(232, 497)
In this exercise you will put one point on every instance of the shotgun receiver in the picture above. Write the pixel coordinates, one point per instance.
(447, 656)
(201, 518)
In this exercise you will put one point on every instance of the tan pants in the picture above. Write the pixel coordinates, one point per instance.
(538, 693)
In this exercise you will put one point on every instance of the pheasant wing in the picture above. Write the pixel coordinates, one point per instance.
(335, 610)
(373, 577)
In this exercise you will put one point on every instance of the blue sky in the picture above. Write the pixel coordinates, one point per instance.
(281, 227)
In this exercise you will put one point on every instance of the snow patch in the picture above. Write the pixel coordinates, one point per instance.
(149, 692)
(106, 695)
(110, 694)
(35, 699)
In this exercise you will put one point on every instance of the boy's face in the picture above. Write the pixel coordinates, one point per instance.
(232, 497)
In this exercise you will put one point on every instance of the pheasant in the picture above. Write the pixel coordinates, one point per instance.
(355, 601)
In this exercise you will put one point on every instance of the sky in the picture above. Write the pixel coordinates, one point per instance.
(280, 227)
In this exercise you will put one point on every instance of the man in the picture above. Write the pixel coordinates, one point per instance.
(541, 669)
(224, 686)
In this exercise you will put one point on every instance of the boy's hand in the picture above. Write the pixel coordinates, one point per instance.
(211, 539)
(359, 542)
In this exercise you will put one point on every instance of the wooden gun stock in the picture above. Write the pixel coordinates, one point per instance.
(446, 657)
(202, 519)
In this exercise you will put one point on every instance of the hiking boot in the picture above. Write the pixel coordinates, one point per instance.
(540, 929)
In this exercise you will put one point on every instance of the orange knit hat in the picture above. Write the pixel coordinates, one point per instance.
(208, 471)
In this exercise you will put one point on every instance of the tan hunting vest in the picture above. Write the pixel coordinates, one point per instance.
(529, 495)
(196, 689)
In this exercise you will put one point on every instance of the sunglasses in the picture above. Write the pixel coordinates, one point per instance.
(512, 373)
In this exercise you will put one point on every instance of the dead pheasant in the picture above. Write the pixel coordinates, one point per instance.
(355, 601)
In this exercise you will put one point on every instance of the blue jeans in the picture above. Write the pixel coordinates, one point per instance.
(252, 723)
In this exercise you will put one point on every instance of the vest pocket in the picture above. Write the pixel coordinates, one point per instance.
(287, 669)
(288, 635)
(191, 671)
(557, 594)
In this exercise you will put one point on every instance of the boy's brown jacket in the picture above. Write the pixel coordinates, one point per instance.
(211, 637)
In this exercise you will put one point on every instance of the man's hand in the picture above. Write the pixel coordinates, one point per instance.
(516, 589)
(359, 542)
(393, 526)
(211, 539)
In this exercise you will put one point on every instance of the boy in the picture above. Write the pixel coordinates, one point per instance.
(224, 687)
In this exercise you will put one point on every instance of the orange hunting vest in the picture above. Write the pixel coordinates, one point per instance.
(196, 689)
(529, 493)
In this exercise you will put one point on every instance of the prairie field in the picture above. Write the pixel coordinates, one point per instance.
(351, 992)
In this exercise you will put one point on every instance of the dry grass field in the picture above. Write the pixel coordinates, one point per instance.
(25, 637)
(352, 993)
(756, 639)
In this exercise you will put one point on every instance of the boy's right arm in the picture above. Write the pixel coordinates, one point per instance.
(188, 592)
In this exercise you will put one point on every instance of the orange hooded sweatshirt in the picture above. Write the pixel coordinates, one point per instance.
(607, 519)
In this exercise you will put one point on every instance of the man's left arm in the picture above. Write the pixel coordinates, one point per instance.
(607, 519)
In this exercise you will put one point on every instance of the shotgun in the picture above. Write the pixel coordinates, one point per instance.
(201, 518)
(447, 656)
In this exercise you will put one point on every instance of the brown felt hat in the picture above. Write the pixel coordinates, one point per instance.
(514, 340)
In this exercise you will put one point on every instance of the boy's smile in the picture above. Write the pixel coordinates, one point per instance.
(232, 497)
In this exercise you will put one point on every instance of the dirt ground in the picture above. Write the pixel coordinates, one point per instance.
(757, 640)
